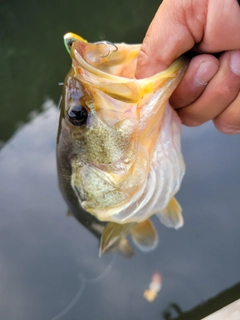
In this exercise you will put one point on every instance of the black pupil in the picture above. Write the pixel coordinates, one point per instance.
(78, 115)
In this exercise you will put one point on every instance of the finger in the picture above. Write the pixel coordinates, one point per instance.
(219, 93)
(229, 120)
(169, 36)
(200, 71)
(222, 27)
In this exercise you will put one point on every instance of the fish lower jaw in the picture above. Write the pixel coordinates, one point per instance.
(115, 213)
(136, 208)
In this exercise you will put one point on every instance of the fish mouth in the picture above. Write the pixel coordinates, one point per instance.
(112, 70)
(114, 74)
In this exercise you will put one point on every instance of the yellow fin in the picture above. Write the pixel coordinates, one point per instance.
(145, 236)
(113, 233)
(171, 216)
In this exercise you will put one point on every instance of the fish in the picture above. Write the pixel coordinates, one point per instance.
(118, 145)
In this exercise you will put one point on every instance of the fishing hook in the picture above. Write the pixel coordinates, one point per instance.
(108, 44)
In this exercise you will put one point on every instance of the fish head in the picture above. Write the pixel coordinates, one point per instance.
(109, 127)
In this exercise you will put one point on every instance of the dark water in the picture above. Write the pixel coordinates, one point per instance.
(49, 265)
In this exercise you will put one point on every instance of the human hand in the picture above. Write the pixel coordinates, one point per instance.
(210, 87)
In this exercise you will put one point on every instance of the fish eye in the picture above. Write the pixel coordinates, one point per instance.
(78, 115)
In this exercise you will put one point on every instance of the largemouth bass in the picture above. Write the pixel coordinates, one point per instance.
(118, 143)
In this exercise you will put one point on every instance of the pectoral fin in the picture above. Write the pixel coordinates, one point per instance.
(171, 216)
(113, 233)
(145, 236)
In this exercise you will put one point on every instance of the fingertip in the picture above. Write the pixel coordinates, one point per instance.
(205, 71)
(225, 127)
(235, 62)
(201, 70)
(219, 100)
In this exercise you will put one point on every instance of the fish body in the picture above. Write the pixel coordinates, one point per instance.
(119, 139)
(112, 236)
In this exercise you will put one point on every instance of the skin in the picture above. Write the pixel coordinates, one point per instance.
(210, 88)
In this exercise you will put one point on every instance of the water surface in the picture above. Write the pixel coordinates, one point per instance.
(49, 264)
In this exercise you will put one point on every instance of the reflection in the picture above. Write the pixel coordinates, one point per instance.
(83, 284)
(154, 287)
(40, 261)
(118, 147)
(174, 312)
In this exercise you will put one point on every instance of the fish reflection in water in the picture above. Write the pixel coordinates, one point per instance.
(154, 287)
(118, 148)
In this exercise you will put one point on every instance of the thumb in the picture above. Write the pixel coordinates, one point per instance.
(169, 35)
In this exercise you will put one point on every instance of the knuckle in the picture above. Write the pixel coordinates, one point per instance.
(226, 91)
